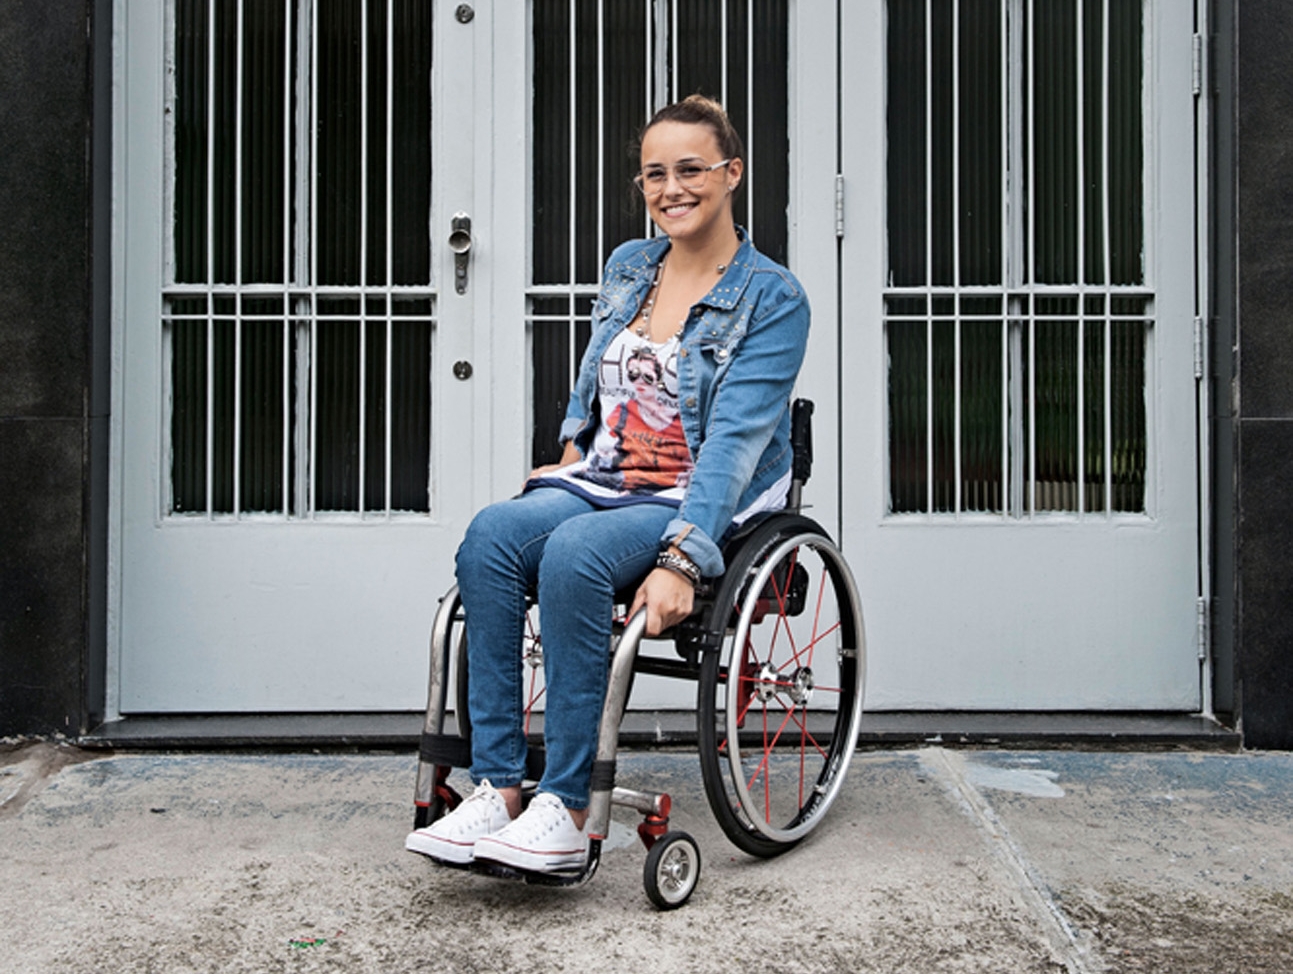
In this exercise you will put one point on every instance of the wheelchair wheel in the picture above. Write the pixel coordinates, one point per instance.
(781, 698)
(671, 870)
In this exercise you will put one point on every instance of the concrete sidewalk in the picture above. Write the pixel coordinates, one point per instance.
(932, 860)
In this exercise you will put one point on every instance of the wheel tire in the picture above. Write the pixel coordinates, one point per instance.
(780, 700)
(671, 871)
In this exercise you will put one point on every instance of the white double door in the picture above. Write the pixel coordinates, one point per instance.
(303, 604)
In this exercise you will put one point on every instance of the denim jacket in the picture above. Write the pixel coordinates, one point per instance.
(740, 351)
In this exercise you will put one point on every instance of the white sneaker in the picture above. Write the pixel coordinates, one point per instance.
(453, 838)
(543, 838)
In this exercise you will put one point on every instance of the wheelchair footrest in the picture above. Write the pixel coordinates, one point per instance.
(565, 877)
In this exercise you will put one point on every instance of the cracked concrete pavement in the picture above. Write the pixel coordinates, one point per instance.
(932, 860)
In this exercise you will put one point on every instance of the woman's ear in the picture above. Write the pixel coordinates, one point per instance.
(735, 169)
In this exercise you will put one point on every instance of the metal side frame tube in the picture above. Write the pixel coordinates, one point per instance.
(437, 688)
(617, 691)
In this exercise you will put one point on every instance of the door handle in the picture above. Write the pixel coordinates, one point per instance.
(460, 244)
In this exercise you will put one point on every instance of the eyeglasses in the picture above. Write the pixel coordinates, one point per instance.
(689, 175)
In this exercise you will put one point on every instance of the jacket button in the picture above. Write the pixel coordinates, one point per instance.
(691, 402)
(682, 353)
(722, 354)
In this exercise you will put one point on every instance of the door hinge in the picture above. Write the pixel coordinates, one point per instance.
(1196, 66)
(839, 206)
(1201, 622)
(1198, 347)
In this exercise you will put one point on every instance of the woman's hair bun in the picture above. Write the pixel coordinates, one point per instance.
(702, 110)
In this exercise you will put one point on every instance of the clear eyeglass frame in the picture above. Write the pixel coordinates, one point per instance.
(688, 175)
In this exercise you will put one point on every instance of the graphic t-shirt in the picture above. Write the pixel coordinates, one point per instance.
(640, 451)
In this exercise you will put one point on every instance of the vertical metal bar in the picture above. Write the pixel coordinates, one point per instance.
(362, 384)
(312, 453)
(285, 460)
(749, 177)
(285, 470)
(210, 284)
(956, 255)
(601, 136)
(1009, 68)
(1005, 404)
(1017, 238)
(390, 232)
(1079, 8)
(673, 51)
(314, 402)
(648, 86)
(929, 258)
(1030, 265)
(313, 155)
(1105, 260)
(240, 65)
(1017, 450)
(572, 275)
(301, 216)
(929, 409)
(1032, 409)
(1079, 122)
(1007, 278)
(722, 49)
(1081, 403)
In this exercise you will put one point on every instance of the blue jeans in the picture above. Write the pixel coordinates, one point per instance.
(579, 556)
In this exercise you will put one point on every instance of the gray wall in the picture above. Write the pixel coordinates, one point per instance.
(45, 359)
(1263, 541)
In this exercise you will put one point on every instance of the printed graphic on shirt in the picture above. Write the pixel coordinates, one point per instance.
(640, 445)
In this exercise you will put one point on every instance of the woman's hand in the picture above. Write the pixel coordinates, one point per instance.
(668, 599)
(543, 471)
(569, 454)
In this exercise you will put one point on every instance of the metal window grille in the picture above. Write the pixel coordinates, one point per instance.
(601, 68)
(1017, 312)
(299, 307)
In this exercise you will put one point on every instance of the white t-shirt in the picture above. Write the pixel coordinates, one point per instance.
(640, 451)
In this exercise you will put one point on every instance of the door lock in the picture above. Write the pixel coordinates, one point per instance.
(460, 244)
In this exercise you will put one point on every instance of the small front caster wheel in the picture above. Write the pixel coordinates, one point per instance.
(671, 870)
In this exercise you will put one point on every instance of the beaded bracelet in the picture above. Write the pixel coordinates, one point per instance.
(680, 565)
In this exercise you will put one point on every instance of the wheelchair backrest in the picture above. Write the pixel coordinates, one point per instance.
(801, 447)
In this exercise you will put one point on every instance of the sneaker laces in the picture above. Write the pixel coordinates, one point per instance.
(546, 814)
(478, 807)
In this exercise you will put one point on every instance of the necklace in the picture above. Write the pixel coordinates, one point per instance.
(643, 330)
(644, 327)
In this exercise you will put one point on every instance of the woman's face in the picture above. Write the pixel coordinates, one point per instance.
(679, 211)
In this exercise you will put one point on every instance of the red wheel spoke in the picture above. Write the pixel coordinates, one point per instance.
(767, 776)
(803, 736)
(767, 747)
(809, 648)
(810, 738)
(817, 615)
(533, 696)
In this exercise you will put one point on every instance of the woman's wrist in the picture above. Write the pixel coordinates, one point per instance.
(675, 561)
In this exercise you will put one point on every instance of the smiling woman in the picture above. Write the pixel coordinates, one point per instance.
(678, 429)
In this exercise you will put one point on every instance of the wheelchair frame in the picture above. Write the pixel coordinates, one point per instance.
(766, 579)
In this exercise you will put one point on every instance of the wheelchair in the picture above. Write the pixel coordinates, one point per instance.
(777, 649)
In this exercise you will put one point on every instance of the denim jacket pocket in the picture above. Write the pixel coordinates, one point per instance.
(603, 307)
(719, 332)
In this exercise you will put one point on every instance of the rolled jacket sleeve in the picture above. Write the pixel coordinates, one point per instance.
(748, 407)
